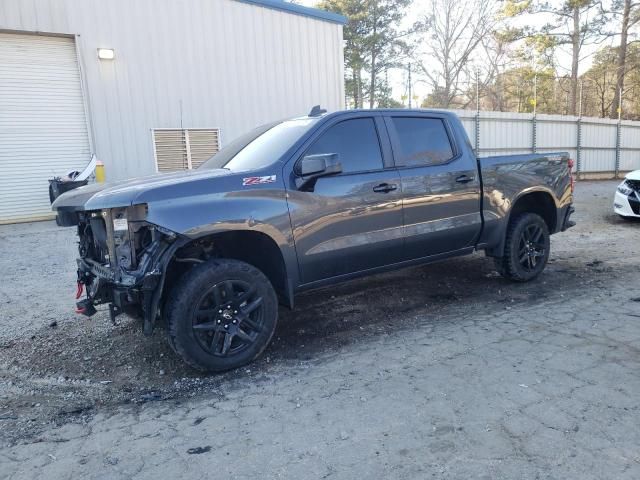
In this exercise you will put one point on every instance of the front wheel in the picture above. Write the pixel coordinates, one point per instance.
(221, 315)
(526, 248)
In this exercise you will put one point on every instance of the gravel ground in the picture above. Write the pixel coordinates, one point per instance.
(443, 371)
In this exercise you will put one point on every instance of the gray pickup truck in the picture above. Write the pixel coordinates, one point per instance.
(304, 203)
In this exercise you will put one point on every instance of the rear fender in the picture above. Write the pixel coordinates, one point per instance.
(497, 219)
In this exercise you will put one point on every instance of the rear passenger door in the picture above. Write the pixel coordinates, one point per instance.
(350, 221)
(440, 185)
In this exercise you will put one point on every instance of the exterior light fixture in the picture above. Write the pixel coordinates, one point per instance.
(106, 53)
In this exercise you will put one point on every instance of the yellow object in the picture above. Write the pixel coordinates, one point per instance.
(99, 172)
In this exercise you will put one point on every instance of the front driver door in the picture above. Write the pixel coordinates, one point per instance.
(351, 221)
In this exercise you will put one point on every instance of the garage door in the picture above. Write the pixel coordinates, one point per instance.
(43, 130)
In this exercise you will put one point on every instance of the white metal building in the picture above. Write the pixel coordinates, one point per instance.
(186, 76)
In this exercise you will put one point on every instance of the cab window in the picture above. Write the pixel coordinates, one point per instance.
(422, 141)
(355, 141)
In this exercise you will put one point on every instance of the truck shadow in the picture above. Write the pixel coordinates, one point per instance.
(105, 365)
(330, 318)
(323, 321)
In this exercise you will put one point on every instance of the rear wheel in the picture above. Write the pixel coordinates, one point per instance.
(221, 315)
(526, 248)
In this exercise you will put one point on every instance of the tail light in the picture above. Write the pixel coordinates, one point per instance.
(571, 179)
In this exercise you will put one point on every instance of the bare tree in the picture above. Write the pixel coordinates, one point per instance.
(385, 42)
(630, 13)
(496, 60)
(453, 31)
(584, 19)
(574, 23)
(374, 43)
(600, 81)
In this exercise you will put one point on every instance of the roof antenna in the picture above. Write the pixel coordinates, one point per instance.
(317, 111)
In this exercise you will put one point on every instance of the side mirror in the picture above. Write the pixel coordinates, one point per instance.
(311, 167)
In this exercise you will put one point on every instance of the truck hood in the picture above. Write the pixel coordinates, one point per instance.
(139, 190)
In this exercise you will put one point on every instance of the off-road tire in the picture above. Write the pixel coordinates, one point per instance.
(509, 265)
(184, 300)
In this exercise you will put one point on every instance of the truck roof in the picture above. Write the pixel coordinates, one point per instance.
(391, 110)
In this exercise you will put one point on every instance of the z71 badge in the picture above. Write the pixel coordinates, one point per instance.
(258, 180)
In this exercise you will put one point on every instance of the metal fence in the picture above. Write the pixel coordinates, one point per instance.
(600, 147)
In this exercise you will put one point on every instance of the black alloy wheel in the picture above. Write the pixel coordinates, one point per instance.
(526, 249)
(228, 318)
(531, 247)
(221, 315)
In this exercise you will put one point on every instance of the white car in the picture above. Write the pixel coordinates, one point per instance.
(626, 203)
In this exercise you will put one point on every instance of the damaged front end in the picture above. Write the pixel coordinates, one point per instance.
(123, 262)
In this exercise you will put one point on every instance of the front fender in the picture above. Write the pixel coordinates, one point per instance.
(199, 215)
(258, 209)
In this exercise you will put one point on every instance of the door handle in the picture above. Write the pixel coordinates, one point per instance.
(385, 188)
(465, 179)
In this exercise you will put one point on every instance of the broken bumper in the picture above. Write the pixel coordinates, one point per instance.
(136, 293)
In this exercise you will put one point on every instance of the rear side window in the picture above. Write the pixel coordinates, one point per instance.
(356, 143)
(423, 141)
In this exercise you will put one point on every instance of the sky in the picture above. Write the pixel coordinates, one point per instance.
(398, 78)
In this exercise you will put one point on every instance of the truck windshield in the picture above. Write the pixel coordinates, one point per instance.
(260, 147)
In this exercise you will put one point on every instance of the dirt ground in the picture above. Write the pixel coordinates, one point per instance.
(443, 371)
